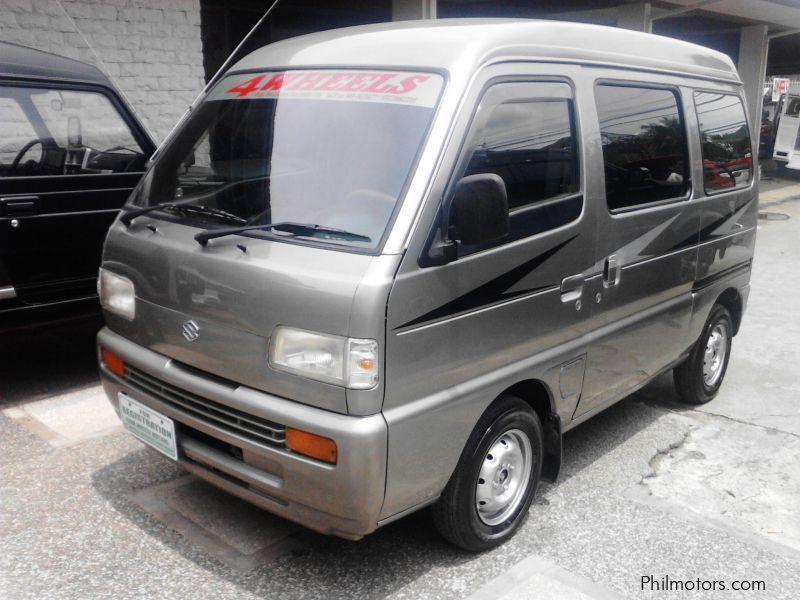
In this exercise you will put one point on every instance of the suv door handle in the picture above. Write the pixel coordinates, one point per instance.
(572, 288)
(611, 271)
(16, 206)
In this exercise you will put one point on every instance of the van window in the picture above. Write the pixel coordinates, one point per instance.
(64, 132)
(531, 146)
(525, 133)
(324, 148)
(727, 158)
(644, 145)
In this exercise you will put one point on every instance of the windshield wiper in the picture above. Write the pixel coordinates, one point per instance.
(184, 206)
(207, 210)
(288, 226)
(130, 214)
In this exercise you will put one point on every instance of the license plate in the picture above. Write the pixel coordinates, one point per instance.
(153, 428)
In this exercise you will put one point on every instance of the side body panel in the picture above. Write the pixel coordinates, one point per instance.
(642, 313)
(52, 227)
(727, 240)
(53, 251)
(460, 334)
(675, 261)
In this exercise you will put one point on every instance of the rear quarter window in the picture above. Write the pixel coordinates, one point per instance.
(727, 154)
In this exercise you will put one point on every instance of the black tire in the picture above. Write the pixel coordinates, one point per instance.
(690, 383)
(455, 514)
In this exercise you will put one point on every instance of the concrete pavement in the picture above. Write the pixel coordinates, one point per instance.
(650, 488)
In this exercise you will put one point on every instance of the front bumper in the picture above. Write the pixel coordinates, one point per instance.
(342, 499)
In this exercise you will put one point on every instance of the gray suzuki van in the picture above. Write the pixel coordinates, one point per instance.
(387, 267)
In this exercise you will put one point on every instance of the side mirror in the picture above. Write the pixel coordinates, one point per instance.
(479, 210)
(74, 132)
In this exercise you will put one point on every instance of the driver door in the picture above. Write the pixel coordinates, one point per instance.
(69, 158)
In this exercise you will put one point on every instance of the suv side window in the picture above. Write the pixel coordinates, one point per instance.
(64, 132)
(645, 151)
(525, 133)
(727, 155)
(16, 132)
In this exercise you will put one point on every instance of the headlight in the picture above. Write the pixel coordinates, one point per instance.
(350, 362)
(116, 294)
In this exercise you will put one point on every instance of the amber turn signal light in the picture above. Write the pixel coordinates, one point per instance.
(113, 362)
(311, 445)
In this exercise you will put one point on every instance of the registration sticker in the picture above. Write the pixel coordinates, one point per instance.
(395, 87)
(153, 428)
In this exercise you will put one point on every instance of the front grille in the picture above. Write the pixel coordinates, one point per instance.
(219, 415)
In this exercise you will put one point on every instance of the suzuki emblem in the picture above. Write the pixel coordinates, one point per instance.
(191, 331)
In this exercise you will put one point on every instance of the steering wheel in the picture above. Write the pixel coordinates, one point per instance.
(22, 152)
(135, 155)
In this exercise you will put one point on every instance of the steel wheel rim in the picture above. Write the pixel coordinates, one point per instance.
(504, 477)
(714, 355)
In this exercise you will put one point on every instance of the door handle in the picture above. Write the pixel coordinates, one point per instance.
(17, 206)
(572, 288)
(611, 271)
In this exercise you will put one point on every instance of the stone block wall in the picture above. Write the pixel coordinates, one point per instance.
(150, 48)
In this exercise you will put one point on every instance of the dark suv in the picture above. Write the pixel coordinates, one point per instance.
(71, 151)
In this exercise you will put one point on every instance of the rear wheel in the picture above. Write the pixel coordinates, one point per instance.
(699, 377)
(492, 488)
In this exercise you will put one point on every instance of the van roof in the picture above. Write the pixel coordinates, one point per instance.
(459, 45)
(20, 61)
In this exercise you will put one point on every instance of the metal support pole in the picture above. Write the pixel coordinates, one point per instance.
(635, 16)
(753, 48)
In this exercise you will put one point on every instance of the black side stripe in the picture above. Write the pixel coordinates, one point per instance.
(706, 232)
(718, 276)
(491, 292)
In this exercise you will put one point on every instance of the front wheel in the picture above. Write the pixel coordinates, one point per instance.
(492, 488)
(699, 377)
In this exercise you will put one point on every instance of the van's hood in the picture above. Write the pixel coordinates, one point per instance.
(236, 299)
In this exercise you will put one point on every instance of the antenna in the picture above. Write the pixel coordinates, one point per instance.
(229, 60)
(215, 78)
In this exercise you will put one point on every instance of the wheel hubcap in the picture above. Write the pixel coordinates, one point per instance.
(714, 355)
(504, 477)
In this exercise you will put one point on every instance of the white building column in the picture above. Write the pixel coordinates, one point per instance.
(635, 16)
(407, 10)
(753, 48)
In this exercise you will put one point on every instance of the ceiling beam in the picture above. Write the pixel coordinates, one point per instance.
(778, 34)
(683, 10)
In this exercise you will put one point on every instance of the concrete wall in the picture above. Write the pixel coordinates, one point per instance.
(151, 48)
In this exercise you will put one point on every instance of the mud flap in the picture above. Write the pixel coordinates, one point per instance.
(552, 447)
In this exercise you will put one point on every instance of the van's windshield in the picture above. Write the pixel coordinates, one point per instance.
(327, 148)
